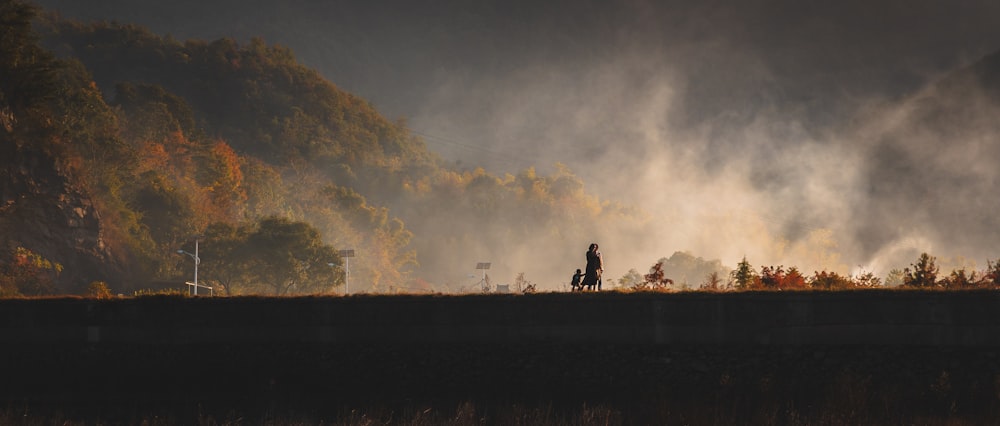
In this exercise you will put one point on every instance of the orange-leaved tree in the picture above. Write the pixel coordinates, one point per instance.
(656, 279)
(26, 273)
(776, 277)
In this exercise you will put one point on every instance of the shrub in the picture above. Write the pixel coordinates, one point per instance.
(163, 292)
(99, 290)
(829, 281)
(713, 282)
(867, 280)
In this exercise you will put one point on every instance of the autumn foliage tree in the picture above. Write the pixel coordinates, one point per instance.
(221, 175)
(290, 257)
(923, 273)
(960, 279)
(826, 280)
(776, 277)
(656, 279)
(991, 277)
(275, 256)
(26, 273)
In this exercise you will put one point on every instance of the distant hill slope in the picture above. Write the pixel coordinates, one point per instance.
(169, 139)
(256, 96)
(56, 237)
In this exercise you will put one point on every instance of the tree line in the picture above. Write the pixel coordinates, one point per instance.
(922, 274)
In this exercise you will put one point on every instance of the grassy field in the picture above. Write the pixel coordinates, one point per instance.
(476, 384)
(481, 382)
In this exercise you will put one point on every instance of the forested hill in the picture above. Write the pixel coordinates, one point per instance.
(255, 96)
(275, 168)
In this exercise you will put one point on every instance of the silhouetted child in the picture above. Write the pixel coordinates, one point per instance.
(575, 283)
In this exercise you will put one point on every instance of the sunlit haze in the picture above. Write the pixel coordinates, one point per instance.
(842, 136)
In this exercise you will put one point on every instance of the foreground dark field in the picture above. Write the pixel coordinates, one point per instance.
(511, 379)
(483, 384)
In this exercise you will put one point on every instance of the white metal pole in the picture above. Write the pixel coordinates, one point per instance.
(347, 276)
(197, 260)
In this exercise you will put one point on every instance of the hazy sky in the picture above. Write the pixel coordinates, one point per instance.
(787, 131)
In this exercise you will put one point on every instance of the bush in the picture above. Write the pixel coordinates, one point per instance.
(99, 290)
(164, 292)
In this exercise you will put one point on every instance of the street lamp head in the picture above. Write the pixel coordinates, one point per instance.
(180, 252)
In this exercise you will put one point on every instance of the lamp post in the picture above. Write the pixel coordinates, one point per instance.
(334, 284)
(197, 260)
(482, 284)
(347, 255)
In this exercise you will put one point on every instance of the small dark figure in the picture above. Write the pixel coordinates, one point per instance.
(595, 265)
(576, 284)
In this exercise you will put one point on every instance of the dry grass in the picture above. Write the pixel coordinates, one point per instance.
(853, 407)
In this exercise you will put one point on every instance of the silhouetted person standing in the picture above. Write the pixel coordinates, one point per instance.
(595, 266)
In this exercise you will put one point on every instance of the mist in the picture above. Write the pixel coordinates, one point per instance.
(736, 152)
(841, 136)
(804, 146)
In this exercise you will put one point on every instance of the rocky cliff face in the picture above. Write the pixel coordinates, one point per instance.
(43, 210)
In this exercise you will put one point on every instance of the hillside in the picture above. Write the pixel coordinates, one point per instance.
(154, 140)
(220, 139)
(55, 234)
